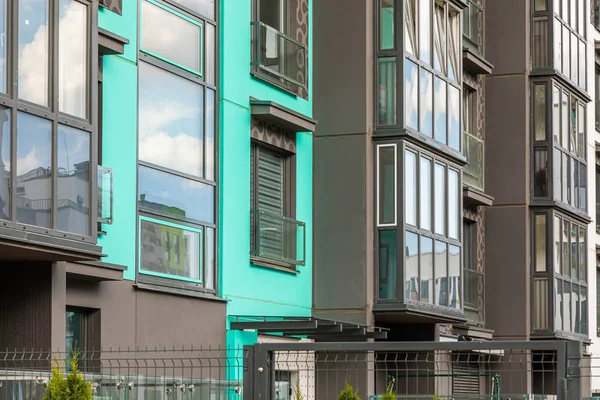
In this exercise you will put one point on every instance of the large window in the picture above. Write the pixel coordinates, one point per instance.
(83, 337)
(46, 121)
(432, 216)
(565, 23)
(474, 278)
(430, 61)
(176, 144)
(473, 144)
(559, 146)
(276, 237)
(559, 269)
(279, 48)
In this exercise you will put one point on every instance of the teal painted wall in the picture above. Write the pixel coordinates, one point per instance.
(255, 290)
(119, 141)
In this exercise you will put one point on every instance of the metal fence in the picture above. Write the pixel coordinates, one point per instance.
(417, 370)
(136, 374)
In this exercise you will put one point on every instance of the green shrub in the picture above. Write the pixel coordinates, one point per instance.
(390, 393)
(298, 395)
(348, 393)
(73, 387)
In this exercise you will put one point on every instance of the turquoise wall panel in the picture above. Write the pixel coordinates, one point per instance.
(123, 25)
(255, 290)
(119, 152)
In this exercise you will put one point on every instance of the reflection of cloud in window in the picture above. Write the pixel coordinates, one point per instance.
(29, 162)
(33, 67)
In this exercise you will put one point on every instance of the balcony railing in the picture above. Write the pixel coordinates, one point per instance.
(473, 27)
(277, 238)
(473, 150)
(279, 57)
(105, 195)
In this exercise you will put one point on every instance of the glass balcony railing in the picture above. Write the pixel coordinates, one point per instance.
(279, 57)
(105, 195)
(473, 150)
(277, 238)
(473, 27)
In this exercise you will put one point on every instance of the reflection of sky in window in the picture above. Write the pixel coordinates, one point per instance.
(170, 121)
(439, 98)
(426, 91)
(5, 137)
(73, 148)
(33, 51)
(34, 143)
(202, 7)
(194, 199)
(412, 95)
(453, 117)
(180, 43)
(3, 44)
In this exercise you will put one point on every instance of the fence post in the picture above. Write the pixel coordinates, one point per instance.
(574, 359)
(257, 372)
(249, 368)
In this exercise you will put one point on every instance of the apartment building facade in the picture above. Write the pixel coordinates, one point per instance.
(110, 196)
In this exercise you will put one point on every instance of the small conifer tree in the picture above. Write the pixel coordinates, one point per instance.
(348, 393)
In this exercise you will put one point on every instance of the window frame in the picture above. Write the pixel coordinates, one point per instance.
(551, 147)
(159, 217)
(402, 227)
(91, 327)
(15, 105)
(470, 234)
(399, 53)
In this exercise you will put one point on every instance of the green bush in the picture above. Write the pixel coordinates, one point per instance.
(298, 395)
(389, 394)
(348, 393)
(73, 387)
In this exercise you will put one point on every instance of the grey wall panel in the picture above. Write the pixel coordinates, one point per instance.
(507, 258)
(506, 32)
(506, 142)
(343, 68)
(342, 216)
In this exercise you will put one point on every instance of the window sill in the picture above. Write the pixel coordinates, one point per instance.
(266, 263)
(178, 291)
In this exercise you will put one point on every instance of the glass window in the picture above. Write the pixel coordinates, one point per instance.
(540, 42)
(34, 170)
(582, 64)
(454, 118)
(387, 262)
(556, 126)
(557, 244)
(566, 44)
(574, 57)
(582, 254)
(439, 37)
(425, 181)
(566, 303)
(170, 250)
(386, 18)
(5, 159)
(426, 270)
(410, 26)
(540, 112)
(411, 277)
(558, 306)
(440, 110)
(175, 196)
(557, 173)
(540, 243)
(411, 102)
(425, 30)
(73, 176)
(387, 90)
(209, 271)
(441, 273)
(386, 172)
(72, 58)
(167, 44)
(206, 8)
(453, 206)
(540, 5)
(566, 262)
(454, 279)
(557, 45)
(209, 61)
(565, 120)
(574, 245)
(597, 199)
(581, 130)
(33, 51)
(170, 121)
(440, 199)
(410, 191)
(541, 173)
(426, 103)
(597, 99)
(209, 135)
(3, 46)
(454, 44)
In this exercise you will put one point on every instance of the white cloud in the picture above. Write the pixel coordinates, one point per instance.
(29, 162)
(33, 68)
(181, 152)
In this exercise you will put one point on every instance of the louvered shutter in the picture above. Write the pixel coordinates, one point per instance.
(465, 380)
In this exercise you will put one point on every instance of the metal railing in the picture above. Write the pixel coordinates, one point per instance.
(495, 370)
(140, 374)
(474, 151)
(278, 55)
(277, 238)
(473, 19)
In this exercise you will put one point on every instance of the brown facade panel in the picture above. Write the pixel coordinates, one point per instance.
(507, 49)
(25, 305)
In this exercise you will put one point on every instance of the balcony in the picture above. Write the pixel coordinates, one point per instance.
(276, 239)
(278, 59)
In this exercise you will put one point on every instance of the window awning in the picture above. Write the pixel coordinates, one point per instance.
(309, 327)
(281, 116)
